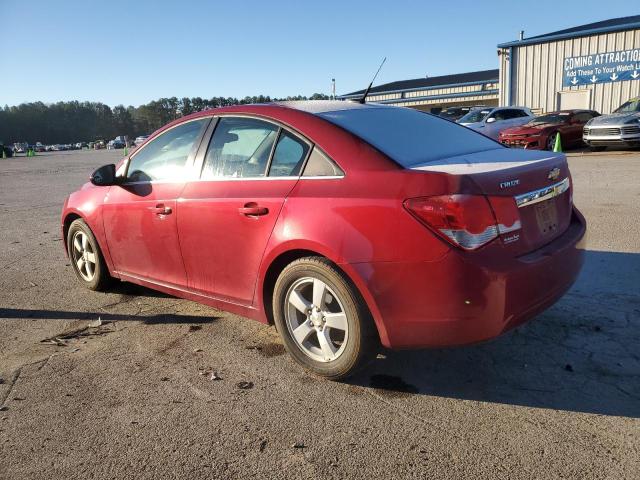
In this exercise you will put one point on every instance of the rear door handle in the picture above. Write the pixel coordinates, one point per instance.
(252, 209)
(161, 209)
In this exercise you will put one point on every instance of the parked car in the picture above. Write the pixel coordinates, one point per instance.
(491, 121)
(541, 132)
(346, 225)
(455, 113)
(39, 147)
(116, 143)
(620, 128)
(140, 140)
(8, 151)
(20, 147)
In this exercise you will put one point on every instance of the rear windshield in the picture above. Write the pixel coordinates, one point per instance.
(408, 136)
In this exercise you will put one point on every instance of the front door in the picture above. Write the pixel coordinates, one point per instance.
(226, 218)
(140, 214)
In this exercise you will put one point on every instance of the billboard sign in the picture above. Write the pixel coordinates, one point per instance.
(601, 68)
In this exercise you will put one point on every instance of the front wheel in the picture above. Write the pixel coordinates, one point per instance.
(325, 325)
(86, 258)
(551, 141)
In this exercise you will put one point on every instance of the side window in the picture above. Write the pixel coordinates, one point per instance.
(520, 113)
(501, 115)
(288, 157)
(239, 148)
(319, 165)
(165, 157)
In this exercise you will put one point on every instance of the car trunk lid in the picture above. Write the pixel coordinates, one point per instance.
(529, 192)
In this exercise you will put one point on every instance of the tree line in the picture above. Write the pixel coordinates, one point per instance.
(70, 122)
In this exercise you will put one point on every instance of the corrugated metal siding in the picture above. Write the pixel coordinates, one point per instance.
(537, 73)
(466, 100)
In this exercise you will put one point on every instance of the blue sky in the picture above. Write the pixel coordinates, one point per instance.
(131, 52)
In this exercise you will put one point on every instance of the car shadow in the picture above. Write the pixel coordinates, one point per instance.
(134, 290)
(581, 355)
(160, 318)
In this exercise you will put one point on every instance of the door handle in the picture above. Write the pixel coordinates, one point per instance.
(160, 209)
(252, 209)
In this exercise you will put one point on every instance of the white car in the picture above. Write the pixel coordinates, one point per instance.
(140, 140)
(491, 121)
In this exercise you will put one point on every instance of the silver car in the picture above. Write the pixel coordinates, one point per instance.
(491, 121)
(620, 128)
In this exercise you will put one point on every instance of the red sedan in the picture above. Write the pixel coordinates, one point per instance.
(541, 132)
(345, 225)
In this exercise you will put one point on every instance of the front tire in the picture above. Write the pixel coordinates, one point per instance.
(86, 257)
(551, 141)
(324, 323)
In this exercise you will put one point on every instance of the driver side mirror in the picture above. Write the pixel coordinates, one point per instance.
(491, 119)
(104, 176)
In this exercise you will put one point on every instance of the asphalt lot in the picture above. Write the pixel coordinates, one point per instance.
(556, 398)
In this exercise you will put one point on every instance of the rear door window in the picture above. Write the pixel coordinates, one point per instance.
(288, 156)
(239, 148)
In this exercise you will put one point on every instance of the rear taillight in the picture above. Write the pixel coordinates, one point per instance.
(467, 221)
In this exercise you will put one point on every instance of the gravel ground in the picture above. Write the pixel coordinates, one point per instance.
(132, 397)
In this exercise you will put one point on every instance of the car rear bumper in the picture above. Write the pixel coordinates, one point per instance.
(466, 298)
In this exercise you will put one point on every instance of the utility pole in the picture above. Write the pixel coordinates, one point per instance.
(333, 89)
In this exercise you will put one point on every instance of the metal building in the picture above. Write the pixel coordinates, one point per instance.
(432, 94)
(594, 66)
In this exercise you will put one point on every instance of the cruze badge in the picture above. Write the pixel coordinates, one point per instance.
(554, 174)
(510, 183)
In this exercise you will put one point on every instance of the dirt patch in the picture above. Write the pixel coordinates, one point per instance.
(271, 350)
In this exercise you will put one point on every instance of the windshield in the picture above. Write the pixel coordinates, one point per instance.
(475, 116)
(408, 136)
(453, 112)
(631, 106)
(553, 118)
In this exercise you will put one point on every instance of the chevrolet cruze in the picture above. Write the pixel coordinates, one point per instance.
(348, 226)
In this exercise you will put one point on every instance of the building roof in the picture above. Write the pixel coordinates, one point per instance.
(430, 82)
(605, 26)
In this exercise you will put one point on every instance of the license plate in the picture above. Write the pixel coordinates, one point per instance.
(547, 216)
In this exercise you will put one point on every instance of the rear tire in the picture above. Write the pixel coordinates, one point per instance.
(324, 323)
(86, 257)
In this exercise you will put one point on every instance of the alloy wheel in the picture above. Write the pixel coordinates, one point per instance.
(316, 319)
(84, 256)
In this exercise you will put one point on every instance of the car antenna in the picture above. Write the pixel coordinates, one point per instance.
(366, 92)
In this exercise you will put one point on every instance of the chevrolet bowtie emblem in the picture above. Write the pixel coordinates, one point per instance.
(554, 173)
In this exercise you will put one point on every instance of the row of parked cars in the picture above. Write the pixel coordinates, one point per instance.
(116, 143)
(518, 127)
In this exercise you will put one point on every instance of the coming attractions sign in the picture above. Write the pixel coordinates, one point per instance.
(602, 68)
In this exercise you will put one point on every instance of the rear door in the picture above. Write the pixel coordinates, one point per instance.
(226, 217)
(140, 214)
